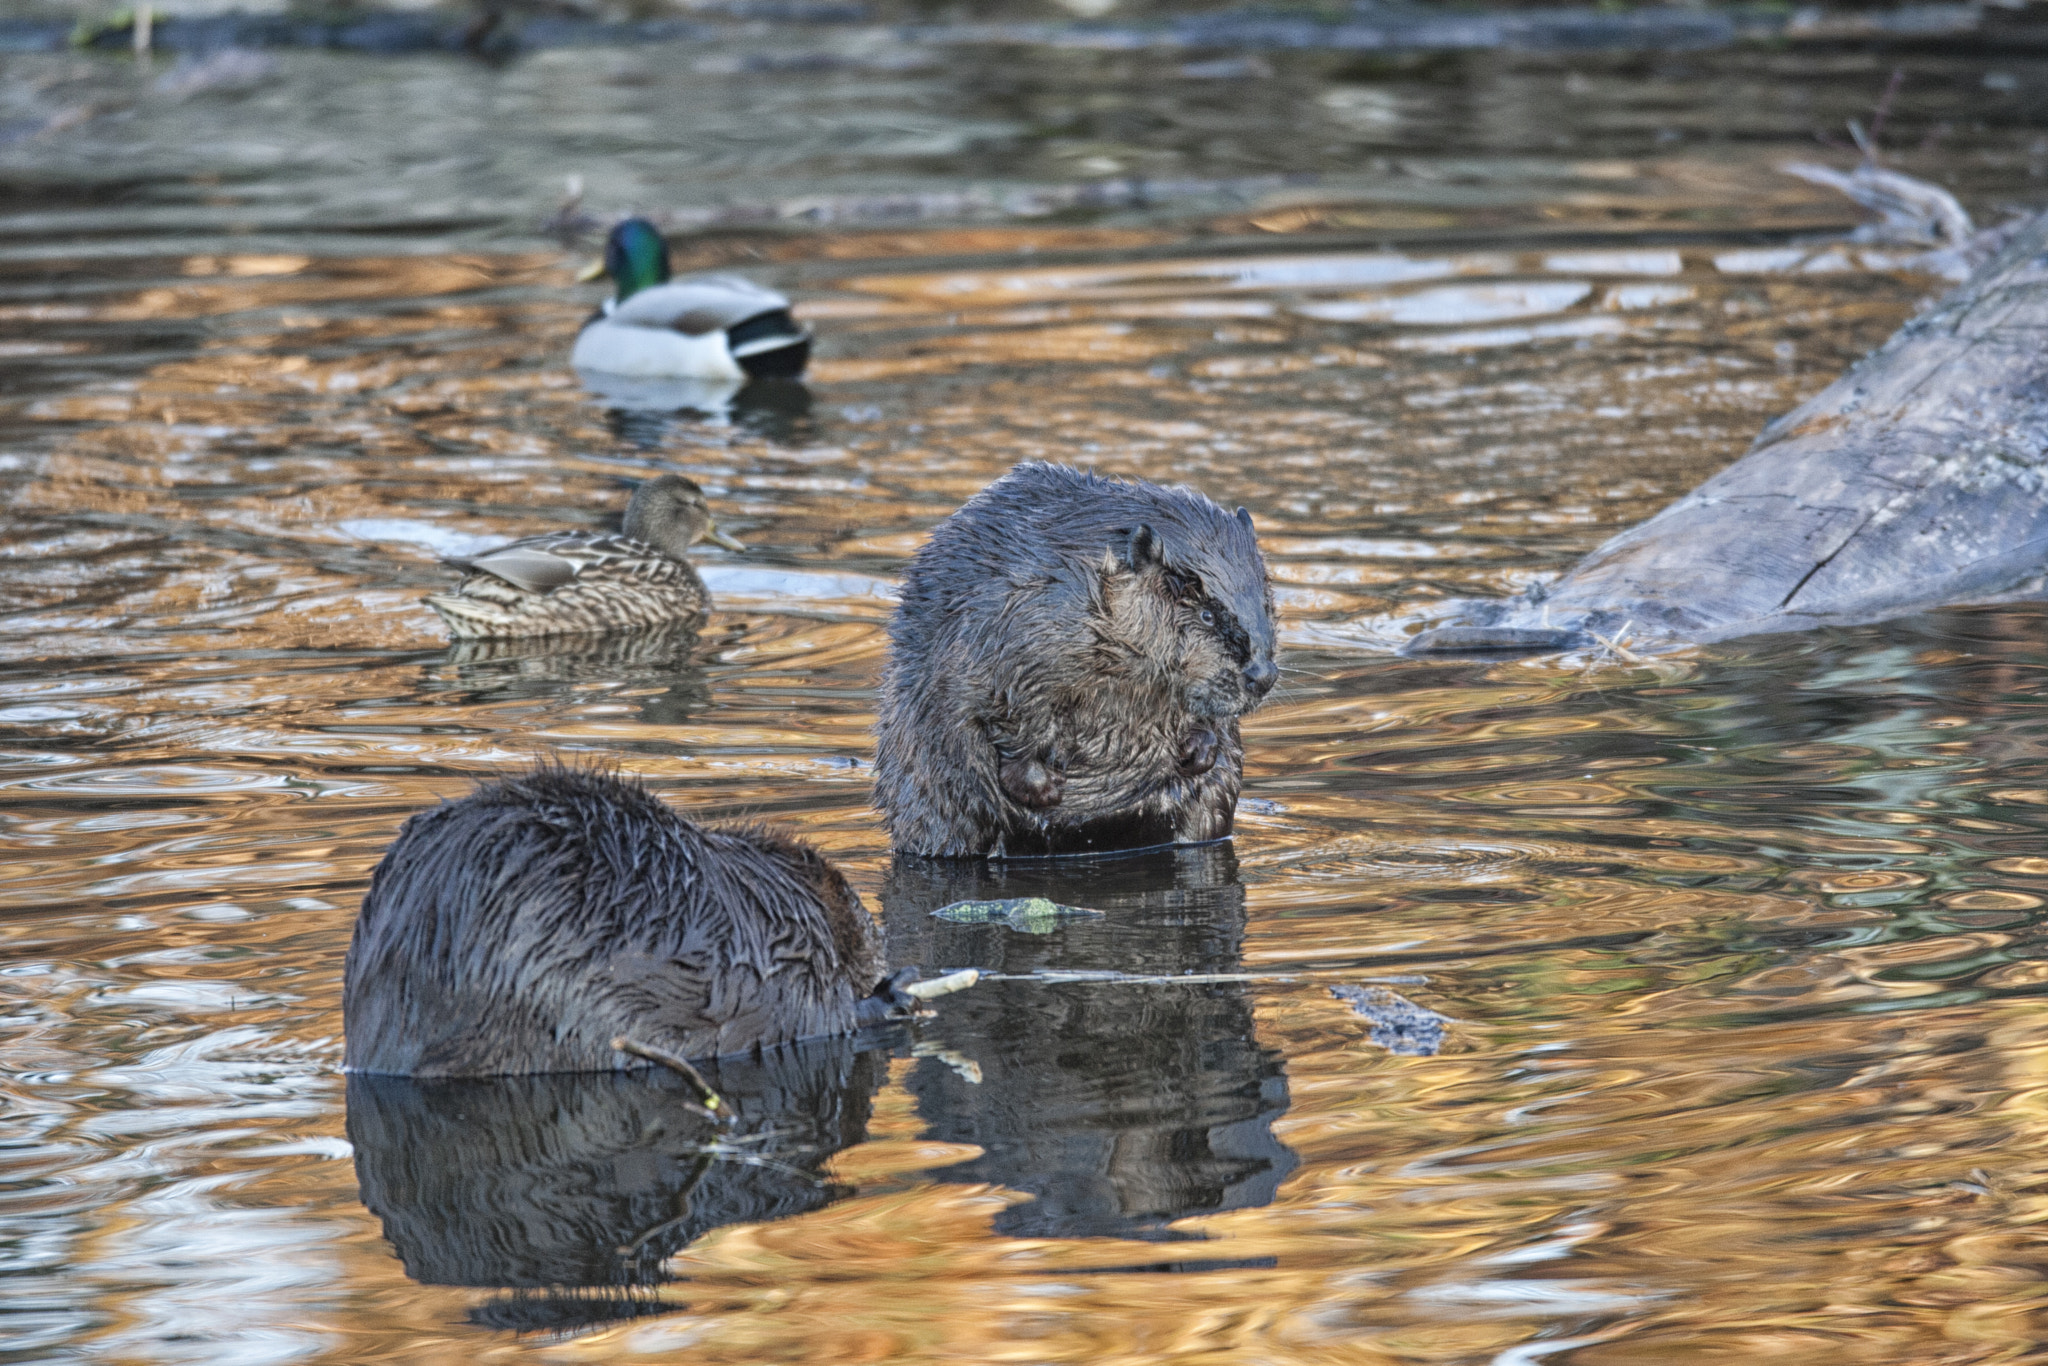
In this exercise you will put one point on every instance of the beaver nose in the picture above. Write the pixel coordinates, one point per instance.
(1260, 675)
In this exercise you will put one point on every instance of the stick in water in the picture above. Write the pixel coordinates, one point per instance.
(943, 986)
(711, 1098)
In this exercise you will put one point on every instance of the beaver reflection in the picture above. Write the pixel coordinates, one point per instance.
(570, 1189)
(1120, 1107)
(660, 667)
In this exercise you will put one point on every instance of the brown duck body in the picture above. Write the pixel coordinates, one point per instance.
(603, 583)
(579, 582)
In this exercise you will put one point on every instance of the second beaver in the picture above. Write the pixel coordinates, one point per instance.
(531, 924)
(1067, 667)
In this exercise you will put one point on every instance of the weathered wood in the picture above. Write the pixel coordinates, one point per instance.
(1917, 480)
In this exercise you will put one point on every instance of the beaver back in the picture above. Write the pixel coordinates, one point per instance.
(525, 926)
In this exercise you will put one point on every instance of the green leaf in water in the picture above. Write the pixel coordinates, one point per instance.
(1025, 914)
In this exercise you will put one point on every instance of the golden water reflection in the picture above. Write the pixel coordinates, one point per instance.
(1737, 948)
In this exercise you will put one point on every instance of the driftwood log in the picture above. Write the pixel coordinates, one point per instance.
(1917, 480)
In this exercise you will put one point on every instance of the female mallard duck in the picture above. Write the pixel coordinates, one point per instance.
(712, 327)
(578, 581)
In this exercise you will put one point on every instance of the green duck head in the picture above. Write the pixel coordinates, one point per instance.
(636, 257)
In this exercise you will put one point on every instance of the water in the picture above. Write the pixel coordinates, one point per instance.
(1739, 949)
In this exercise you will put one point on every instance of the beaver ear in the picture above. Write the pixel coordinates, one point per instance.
(1143, 549)
(1246, 518)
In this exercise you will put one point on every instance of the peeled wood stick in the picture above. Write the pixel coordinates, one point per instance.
(1108, 976)
(944, 986)
(711, 1098)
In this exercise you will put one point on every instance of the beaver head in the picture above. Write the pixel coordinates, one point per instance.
(1194, 609)
(854, 941)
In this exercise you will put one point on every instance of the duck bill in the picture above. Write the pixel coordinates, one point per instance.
(593, 271)
(717, 537)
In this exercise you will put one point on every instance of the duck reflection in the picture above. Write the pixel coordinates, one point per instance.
(667, 658)
(569, 1190)
(641, 412)
(1121, 1107)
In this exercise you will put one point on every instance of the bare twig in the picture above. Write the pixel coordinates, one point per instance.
(1913, 210)
(1615, 647)
(1883, 111)
(712, 1100)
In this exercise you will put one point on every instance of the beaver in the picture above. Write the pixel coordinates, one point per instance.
(1067, 666)
(528, 925)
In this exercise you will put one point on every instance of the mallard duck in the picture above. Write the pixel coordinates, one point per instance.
(713, 327)
(565, 582)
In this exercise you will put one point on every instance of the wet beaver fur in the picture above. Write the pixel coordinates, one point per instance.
(1067, 666)
(524, 927)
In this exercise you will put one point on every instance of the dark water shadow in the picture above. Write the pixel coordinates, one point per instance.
(670, 658)
(777, 410)
(641, 413)
(568, 1191)
(1120, 1107)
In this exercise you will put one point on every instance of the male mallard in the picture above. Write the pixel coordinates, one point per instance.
(575, 581)
(710, 327)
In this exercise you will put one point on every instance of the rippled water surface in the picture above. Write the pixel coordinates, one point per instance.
(1739, 949)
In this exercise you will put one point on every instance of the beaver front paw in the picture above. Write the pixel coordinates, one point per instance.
(1032, 782)
(1199, 752)
(891, 1000)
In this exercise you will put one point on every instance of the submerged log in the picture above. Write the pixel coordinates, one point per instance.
(1917, 480)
